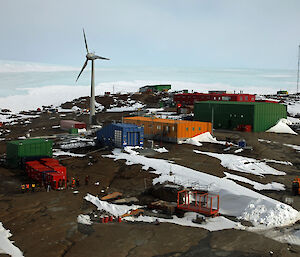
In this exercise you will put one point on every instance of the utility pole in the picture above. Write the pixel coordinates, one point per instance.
(298, 68)
(212, 120)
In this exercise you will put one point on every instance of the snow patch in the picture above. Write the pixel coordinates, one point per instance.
(114, 209)
(161, 150)
(235, 198)
(202, 138)
(282, 127)
(258, 186)
(6, 246)
(243, 164)
(84, 219)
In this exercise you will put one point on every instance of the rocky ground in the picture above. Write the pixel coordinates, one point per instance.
(45, 223)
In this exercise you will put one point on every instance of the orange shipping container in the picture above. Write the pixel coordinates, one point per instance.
(169, 130)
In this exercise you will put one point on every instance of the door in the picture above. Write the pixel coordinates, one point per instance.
(133, 138)
(118, 138)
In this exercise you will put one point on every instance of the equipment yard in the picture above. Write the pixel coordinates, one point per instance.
(250, 206)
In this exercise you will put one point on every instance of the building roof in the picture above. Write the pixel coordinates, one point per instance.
(233, 102)
(29, 141)
(125, 125)
(140, 118)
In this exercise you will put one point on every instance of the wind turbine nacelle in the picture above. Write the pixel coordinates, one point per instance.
(91, 56)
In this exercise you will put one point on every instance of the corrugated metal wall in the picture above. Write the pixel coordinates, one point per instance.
(169, 130)
(229, 115)
(20, 149)
(121, 135)
(267, 115)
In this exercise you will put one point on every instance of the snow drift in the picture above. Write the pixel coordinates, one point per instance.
(202, 138)
(282, 126)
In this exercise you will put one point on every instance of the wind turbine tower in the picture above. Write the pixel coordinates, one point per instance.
(90, 56)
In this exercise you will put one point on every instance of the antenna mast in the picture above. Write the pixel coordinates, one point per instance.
(298, 69)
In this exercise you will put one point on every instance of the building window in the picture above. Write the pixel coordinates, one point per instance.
(193, 129)
(246, 98)
(158, 127)
(241, 98)
(199, 128)
(173, 128)
(187, 129)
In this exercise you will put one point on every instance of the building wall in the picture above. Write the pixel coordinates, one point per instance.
(120, 136)
(169, 130)
(261, 116)
(267, 115)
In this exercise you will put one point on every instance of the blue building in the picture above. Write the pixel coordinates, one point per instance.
(121, 135)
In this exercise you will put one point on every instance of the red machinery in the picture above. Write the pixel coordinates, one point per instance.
(48, 171)
(196, 201)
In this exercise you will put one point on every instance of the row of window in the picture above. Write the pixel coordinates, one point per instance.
(167, 128)
(223, 98)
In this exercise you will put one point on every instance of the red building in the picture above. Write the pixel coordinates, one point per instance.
(190, 98)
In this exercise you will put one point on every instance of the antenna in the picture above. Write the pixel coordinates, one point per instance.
(298, 68)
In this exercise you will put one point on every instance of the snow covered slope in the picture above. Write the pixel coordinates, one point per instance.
(235, 200)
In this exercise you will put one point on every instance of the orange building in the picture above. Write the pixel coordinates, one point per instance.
(169, 130)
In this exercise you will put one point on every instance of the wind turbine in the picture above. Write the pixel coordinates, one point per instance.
(90, 56)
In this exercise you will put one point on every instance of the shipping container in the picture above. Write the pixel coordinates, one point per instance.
(20, 151)
(258, 116)
(47, 171)
(121, 135)
(169, 130)
(69, 124)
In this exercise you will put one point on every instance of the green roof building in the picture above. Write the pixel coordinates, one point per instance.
(155, 88)
(232, 115)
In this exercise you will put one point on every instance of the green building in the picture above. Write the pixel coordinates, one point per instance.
(231, 115)
(20, 151)
(155, 88)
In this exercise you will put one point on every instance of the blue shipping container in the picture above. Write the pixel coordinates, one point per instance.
(121, 135)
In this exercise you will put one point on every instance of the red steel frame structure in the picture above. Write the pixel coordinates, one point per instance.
(203, 202)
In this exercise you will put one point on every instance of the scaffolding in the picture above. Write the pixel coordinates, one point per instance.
(197, 201)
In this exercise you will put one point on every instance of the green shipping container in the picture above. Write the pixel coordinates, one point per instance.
(229, 115)
(20, 150)
(73, 131)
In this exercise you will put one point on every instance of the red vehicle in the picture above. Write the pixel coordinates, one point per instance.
(189, 98)
(48, 171)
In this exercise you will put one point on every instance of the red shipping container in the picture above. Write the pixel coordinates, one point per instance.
(56, 180)
(49, 161)
(69, 124)
(59, 168)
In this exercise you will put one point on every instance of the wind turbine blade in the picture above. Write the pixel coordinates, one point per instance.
(87, 50)
(100, 57)
(84, 65)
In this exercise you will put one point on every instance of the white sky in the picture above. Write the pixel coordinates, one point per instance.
(190, 33)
